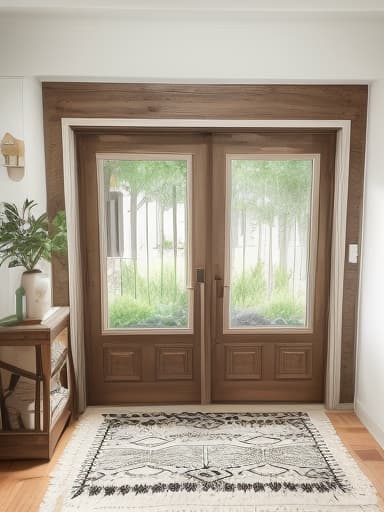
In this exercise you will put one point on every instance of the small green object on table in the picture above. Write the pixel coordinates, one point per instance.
(19, 316)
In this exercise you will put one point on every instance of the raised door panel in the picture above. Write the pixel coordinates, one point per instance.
(294, 361)
(243, 362)
(122, 363)
(174, 362)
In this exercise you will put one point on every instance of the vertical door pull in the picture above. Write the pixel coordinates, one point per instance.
(200, 275)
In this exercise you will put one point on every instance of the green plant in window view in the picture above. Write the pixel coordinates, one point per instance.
(270, 223)
(158, 306)
(147, 284)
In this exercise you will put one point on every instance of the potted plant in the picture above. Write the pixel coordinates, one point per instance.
(25, 240)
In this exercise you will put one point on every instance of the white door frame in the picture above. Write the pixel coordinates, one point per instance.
(339, 223)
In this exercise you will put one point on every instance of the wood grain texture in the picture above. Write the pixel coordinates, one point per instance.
(160, 368)
(174, 362)
(243, 362)
(294, 361)
(216, 102)
(23, 483)
(40, 442)
(121, 362)
(275, 384)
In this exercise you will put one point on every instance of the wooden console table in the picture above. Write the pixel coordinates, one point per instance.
(31, 427)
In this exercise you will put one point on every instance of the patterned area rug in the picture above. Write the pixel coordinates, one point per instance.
(207, 461)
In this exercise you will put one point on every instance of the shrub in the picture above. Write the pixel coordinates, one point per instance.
(284, 309)
(281, 280)
(249, 289)
(125, 312)
(167, 245)
(164, 291)
(162, 305)
(161, 291)
(170, 315)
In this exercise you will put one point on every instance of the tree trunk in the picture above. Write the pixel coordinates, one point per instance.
(121, 279)
(161, 250)
(158, 223)
(303, 233)
(294, 257)
(147, 248)
(244, 229)
(134, 238)
(174, 211)
(235, 229)
(270, 263)
(259, 242)
(283, 228)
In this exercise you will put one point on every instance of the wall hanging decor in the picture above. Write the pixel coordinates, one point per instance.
(12, 150)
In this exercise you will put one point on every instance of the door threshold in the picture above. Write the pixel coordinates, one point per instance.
(283, 407)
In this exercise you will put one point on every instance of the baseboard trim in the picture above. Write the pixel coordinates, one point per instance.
(370, 423)
(344, 407)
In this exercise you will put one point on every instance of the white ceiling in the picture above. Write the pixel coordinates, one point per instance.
(320, 6)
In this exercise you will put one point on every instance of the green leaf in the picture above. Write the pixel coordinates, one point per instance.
(14, 263)
(26, 239)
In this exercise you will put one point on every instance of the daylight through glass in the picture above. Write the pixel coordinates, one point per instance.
(146, 243)
(270, 232)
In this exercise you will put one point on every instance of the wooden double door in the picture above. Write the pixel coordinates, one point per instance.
(206, 262)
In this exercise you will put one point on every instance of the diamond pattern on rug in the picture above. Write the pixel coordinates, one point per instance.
(142, 453)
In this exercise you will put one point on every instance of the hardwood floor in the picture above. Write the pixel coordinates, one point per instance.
(23, 483)
(362, 446)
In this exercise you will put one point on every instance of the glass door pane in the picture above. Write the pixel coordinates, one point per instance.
(271, 238)
(145, 241)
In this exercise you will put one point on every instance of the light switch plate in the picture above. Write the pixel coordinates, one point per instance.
(353, 253)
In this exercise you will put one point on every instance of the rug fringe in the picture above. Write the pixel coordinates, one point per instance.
(59, 477)
(246, 508)
(334, 445)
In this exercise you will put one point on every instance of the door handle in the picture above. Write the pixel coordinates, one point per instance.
(200, 275)
(204, 384)
(217, 293)
(204, 361)
(220, 288)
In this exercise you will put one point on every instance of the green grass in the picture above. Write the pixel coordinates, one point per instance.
(164, 303)
(284, 308)
(249, 289)
(126, 312)
(162, 288)
(250, 295)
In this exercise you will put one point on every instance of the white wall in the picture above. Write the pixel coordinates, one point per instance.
(11, 120)
(370, 360)
(206, 47)
(223, 48)
(21, 115)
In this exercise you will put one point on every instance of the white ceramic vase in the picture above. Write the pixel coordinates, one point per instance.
(37, 293)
